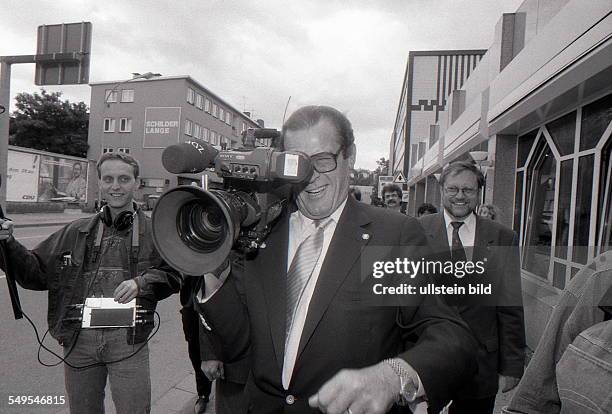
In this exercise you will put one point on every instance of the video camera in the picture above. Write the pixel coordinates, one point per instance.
(195, 229)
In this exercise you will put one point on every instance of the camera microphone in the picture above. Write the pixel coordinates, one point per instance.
(188, 157)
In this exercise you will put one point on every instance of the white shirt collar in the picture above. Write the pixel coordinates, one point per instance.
(469, 222)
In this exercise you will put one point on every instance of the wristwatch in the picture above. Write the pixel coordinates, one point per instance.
(408, 389)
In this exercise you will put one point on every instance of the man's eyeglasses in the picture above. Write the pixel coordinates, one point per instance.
(453, 191)
(325, 162)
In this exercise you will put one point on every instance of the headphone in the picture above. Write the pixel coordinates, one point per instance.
(123, 221)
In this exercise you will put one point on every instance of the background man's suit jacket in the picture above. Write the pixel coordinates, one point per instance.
(340, 330)
(500, 329)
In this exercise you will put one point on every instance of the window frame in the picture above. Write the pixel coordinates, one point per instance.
(128, 125)
(130, 95)
(111, 125)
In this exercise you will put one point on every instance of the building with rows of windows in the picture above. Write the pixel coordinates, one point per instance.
(144, 116)
(535, 113)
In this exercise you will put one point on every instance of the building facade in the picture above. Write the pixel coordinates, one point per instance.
(536, 115)
(144, 116)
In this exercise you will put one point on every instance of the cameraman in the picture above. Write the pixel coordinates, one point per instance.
(108, 255)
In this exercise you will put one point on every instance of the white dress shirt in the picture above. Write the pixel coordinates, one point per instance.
(300, 227)
(467, 232)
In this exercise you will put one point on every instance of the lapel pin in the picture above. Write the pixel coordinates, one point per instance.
(365, 236)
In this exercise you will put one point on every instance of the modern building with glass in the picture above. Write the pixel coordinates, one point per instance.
(535, 113)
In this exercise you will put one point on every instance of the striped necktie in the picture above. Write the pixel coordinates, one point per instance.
(457, 250)
(300, 271)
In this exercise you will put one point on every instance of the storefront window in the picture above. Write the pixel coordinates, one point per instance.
(606, 185)
(541, 198)
(524, 146)
(562, 132)
(595, 119)
(518, 202)
(582, 217)
(563, 210)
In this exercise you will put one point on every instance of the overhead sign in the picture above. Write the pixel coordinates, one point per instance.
(162, 126)
(63, 53)
(399, 178)
(382, 181)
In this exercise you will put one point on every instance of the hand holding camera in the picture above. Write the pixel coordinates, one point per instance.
(6, 229)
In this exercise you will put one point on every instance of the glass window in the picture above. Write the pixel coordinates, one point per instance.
(228, 117)
(188, 127)
(110, 95)
(563, 210)
(215, 111)
(559, 276)
(127, 95)
(206, 105)
(197, 131)
(190, 95)
(563, 131)
(582, 217)
(205, 133)
(518, 202)
(125, 125)
(221, 114)
(595, 119)
(525, 142)
(109, 125)
(198, 101)
(124, 150)
(606, 205)
(106, 149)
(541, 197)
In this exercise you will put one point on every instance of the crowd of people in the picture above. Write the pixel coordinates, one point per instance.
(289, 330)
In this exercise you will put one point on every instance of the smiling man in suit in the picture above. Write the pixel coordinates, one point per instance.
(299, 311)
(497, 322)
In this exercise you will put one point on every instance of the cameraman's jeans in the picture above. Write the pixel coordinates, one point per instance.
(130, 380)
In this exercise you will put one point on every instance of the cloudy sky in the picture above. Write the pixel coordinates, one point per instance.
(256, 54)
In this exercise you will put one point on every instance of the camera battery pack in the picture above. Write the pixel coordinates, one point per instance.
(106, 313)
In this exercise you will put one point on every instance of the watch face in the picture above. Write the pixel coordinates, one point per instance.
(409, 389)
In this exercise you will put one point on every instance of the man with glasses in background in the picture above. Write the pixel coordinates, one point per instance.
(298, 310)
(459, 235)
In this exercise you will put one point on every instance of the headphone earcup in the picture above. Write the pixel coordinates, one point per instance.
(124, 220)
(105, 216)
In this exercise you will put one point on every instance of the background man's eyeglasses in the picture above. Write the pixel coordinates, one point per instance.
(453, 191)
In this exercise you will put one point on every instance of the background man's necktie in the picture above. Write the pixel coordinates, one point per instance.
(457, 250)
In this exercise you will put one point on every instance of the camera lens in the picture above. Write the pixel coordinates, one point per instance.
(201, 225)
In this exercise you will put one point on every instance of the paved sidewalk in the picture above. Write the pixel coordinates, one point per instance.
(181, 398)
(46, 219)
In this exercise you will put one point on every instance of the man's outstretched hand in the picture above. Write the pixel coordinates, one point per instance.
(371, 390)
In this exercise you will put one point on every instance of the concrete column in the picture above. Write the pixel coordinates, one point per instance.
(432, 192)
(501, 177)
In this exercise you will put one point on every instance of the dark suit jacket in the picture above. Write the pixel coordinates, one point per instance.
(498, 326)
(341, 331)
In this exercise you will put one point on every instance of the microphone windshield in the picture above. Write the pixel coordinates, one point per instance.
(188, 157)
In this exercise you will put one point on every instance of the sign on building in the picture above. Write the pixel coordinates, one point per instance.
(162, 126)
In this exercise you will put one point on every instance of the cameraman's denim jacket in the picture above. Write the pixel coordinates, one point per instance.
(47, 267)
(571, 370)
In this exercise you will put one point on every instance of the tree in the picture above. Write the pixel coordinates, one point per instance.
(45, 122)
(383, 166)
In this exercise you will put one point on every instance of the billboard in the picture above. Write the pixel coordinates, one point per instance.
(22, 176)
(62, 179)
(162, 126)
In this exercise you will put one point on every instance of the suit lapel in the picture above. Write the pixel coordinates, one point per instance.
(483, 238)
(344, 249)
(437, 233)
(272, 267)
